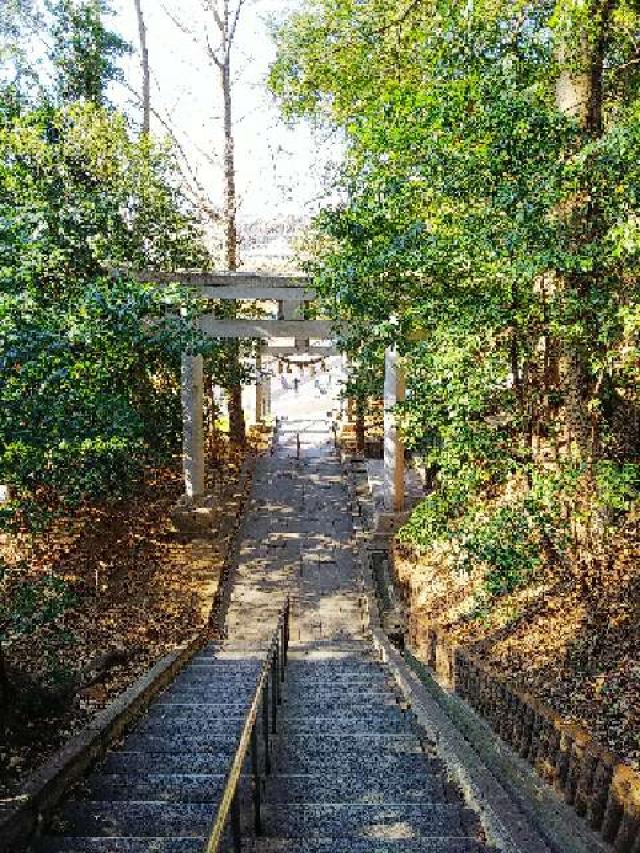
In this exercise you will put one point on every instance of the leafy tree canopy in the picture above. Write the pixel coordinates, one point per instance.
(90, 361)
(497, 224)
(85, 52)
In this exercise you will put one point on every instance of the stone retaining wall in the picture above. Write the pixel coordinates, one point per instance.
(601, 788)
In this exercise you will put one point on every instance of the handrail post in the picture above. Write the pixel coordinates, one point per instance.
(278, 670)
(235, 824)
(255, 766)
(274, 695)
(265, 725)
(287, 617)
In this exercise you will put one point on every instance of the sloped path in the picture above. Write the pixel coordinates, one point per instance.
(352, 770)
(298, 536)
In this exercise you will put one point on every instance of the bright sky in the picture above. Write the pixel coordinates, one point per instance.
(280, 170)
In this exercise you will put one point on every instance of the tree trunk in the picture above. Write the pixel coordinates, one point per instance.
(237, 426)
(146, 73)
(230, 200)
(4, 683)
(579, 94)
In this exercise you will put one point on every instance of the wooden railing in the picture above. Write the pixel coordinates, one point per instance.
(266, 698)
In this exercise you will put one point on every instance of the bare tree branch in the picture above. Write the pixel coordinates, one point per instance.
(234, 24)
(219, 63)
(197, 191)
(144, 63)
(211, 160)
(184, 29)
(212, 7)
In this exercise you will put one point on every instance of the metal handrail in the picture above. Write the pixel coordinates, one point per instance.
(274, 665)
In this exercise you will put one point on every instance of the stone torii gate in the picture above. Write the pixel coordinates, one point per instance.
(310, 336)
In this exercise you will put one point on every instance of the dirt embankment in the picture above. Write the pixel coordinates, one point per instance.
(570, 636)
(123, 587)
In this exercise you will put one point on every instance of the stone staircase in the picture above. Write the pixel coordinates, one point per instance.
(160, 789)
(352, 770)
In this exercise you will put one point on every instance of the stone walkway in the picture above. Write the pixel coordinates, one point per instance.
(352, 769)
(298, 536)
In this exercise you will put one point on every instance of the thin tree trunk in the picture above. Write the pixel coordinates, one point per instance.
(4, 682)
(580, 94)
(237, 426)
(230, 200)
(146, 73)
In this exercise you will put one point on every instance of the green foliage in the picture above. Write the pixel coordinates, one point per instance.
(90, 362)
(503, 542)
(618, 485)
(506, 540)
(32, 604)
(85, 52)
(503, 230)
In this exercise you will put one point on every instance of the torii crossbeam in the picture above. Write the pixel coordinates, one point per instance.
(290, 292)
(310, 336)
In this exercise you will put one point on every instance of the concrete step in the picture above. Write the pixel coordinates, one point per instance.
(320, 788)
(171, 739)
(121, 845)
(379, 682)
(342, 844)
(238, 633)
(373, 723)
(220, 695)
(131, 762)
(329, 668)
(194, 711)
(244, 653)
(335, 678)
(211, 676)
(199, 724)
(155, 787)
(238, 645)
(334, 755)
(335, 693)
(324, 649)
(353, 657)
(364, 762)
(138, 819)
(342, 706)
(220, 654)
(332, 647)
(414, 820)
(233, 667)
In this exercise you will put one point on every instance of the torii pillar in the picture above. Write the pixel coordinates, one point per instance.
(193, 424)
(263, 388)
(293, 309)
(394, 462)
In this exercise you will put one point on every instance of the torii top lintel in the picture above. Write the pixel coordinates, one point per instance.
(238, 285)
(249, 286)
